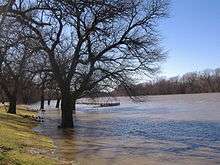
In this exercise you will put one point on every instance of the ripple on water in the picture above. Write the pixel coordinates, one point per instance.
(133, 131)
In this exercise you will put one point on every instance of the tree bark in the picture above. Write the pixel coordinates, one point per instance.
(74, 106)
(67, 110)
(58, 103)
(25, 100)
(12, 105)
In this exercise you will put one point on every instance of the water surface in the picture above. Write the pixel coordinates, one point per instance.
(174, 129)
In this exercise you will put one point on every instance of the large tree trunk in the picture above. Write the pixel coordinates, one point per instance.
(12, 105)
(67, 110)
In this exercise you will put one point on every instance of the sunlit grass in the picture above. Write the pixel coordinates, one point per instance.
(19, 144)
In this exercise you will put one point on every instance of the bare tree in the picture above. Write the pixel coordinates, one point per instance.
(42, 72)
(14, 56)
(94, 43)
(195, 82)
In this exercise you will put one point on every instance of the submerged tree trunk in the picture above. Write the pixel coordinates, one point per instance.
(42, 102)
(12, 105)
(42, 97)
(58, 103)
(67, 110)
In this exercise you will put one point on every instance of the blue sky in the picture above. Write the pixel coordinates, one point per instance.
(192, 36)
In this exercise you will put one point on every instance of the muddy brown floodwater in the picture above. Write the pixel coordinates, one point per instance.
(164, 130)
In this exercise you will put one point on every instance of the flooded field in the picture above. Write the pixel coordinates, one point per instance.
(163, 130)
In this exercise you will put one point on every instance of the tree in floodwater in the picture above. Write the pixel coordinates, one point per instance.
(41, 70)
(94, 43)
(53, 92)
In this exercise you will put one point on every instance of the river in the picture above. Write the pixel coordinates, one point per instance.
(163, 130)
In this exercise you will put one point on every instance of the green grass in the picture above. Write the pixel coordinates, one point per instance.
(19, 144)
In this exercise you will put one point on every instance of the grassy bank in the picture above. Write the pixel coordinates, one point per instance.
(19, 144)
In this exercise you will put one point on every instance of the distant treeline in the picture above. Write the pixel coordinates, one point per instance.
(194, 82)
